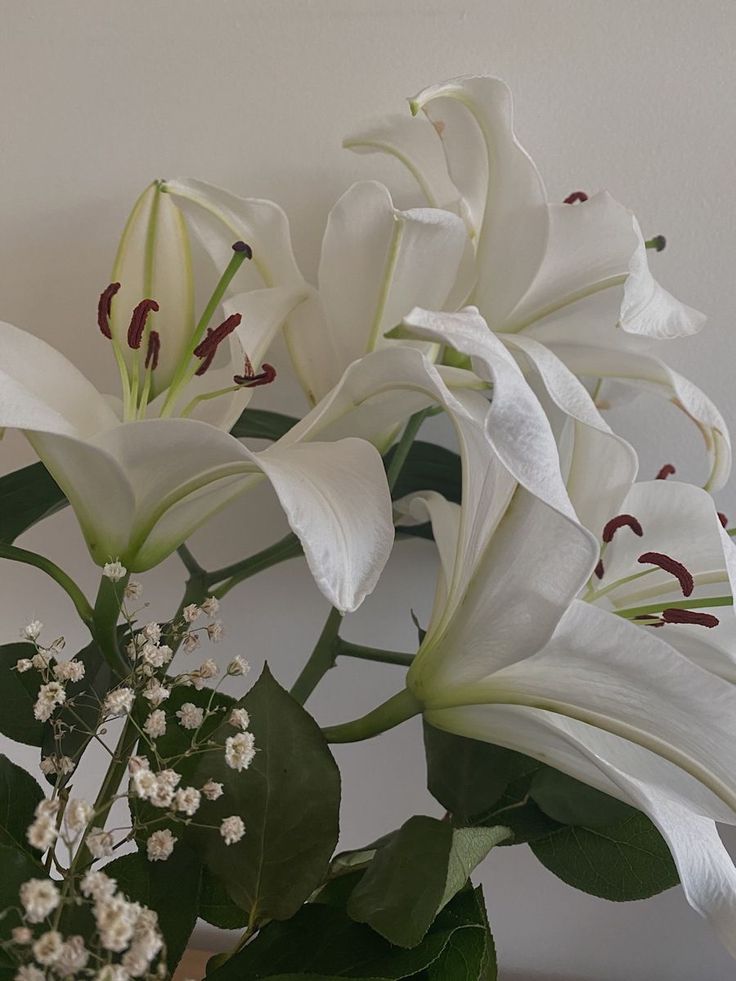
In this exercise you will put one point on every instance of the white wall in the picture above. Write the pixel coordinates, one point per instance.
(97, 98)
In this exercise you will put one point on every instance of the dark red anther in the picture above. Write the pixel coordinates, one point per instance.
(206, 362)
(666, 471)
(621, 521)
(265, 376)
(675, 568)
(138, 322)
(599, 570)
(154, 349)
(651, 617)
(103, 309)
(243, 247)
(214, 338)
(575, 197)
(690, 616)
(723, 519)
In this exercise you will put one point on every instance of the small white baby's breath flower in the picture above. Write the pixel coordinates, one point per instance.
(240, 750)
(157, 655)
(47, 948)
(238, 666)
(78, 814)
(39, 897)
(187, 800)
(215, 631)
(239, 719)
(133, 589)
(136, 763)
(160, 845)
(152, 631)
(114, 571)
(49, 696)
(144, 783)
(211, 606)
(21, 935)
(190, 716)
(156, 693)
(119, 702)
(23, 665)
(155, 724)
(56, 765)
(191, 612)
(212, 790)
(232, 829)
(32, 630)
(100, 843)
(190, 642)
(29, 973)
(40, 661)
(69, 671)
(98, 886)
(72, 958)
(115, 918)
(42, 833)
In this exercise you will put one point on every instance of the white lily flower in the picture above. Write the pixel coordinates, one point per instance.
(376, 264)
(512, 656)
(573, 277)
(143, 473)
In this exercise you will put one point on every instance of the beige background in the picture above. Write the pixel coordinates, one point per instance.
(97, 98)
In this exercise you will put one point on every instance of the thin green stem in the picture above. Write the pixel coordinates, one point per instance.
(288, 547)
(404, 445)
(190, 563)
(346, 649)
(689, 604)
(400, 707)
(76, 595)
(321, 659)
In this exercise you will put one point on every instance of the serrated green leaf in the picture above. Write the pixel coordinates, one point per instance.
(469, 777)
(19, 696)
(470, 955)
(402, 888)
(289, 800)
(27, 496)
(171, 888)
(569, 801)
(320, 943)
(624, 861)
(262, 424)
(19, 796)
(469, 847)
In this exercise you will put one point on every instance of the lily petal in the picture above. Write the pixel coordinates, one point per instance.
(602, 466)
(415, 143)
(507, 193)
(41, 390)
(154, 262)
(652, 375)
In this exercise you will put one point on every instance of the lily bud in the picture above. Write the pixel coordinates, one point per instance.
(153, 262)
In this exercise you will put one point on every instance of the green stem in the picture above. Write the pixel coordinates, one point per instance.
(400, 707)
(228, 576)
(105, 624)
(404, 445)
(321, 659)
(190, 563)
(76, 595)
(346, 649)
(689, 604)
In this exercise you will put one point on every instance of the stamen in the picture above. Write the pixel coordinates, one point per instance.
(154, 349)
(658, 243)
(690, 616)
(266, 375)
(675, 568)
(103, 309)
(575, 197)
(723, 519)
(138, 322)
(243, 247)
(206, 362)
(621, 521)
(214, 338)
(599, 570)
(666, 471)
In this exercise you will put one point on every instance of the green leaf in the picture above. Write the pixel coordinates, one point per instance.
(19, 796)
(171, 888)
(27, 496)
(19, 696)
(404, 885)
(469, 847)
(17, 867)
(623, 861)
(79, 716)
(216, 906)
(289, 800)
(429, 467)
(320, 943)
(569, 801)
(470, 955)
(469, 777)
(262, 424)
